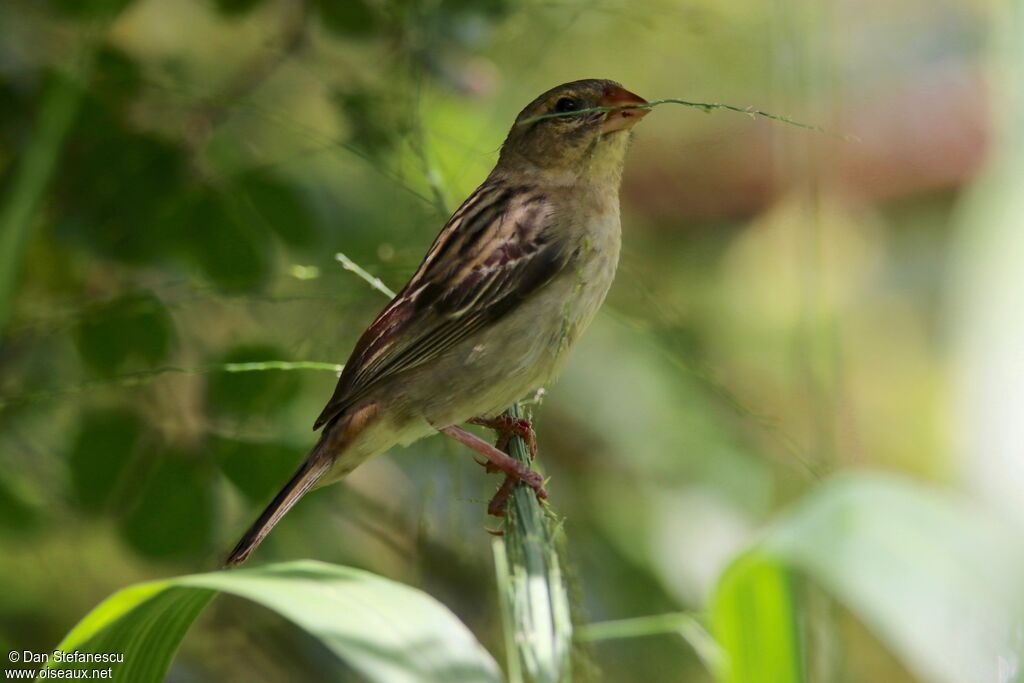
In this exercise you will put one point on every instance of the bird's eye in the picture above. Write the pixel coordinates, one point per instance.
(566, 105)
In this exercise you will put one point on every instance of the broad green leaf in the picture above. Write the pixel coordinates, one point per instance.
(385, 631)
(935, 577)
(755, 622)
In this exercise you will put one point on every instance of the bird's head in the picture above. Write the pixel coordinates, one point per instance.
(574, 145)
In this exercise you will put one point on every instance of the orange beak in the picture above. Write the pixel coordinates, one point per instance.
(621, 119)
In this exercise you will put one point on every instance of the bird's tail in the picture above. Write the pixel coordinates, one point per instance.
(312, 468)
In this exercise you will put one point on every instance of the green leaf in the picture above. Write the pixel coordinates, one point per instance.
(22, 194)
(245, 393)
(370, 117)
(755, 622)
(117, 187)
(934, 576)
(257, 469)
(385, 631)
(349, 18)
(232, 251)
(16, 513)
(265, 199)
(173, 516)
(134, 327)
(104, 446)
(116, 77)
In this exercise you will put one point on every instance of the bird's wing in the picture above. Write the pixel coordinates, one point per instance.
(493, 253)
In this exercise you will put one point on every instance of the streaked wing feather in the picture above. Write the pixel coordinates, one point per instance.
(493, 253)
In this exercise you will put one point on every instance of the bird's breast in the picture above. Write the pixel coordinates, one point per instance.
(592, 272)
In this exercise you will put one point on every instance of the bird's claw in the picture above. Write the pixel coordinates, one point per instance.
(508, 426)
(500, 461)
(498, 507)
(488, 466)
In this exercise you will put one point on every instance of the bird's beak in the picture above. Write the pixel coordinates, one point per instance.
(621, 119)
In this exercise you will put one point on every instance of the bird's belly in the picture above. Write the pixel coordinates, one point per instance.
(521, 352)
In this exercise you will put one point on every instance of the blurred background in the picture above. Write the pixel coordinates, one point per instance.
(176, 178)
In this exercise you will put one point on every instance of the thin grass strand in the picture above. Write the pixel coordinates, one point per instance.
(703, 106)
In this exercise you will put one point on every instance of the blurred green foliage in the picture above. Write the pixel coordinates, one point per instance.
(172, 514)
(782, 312)
(135, 326)
(252, 392)
(105, 446)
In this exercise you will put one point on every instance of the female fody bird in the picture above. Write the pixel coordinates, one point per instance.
(515, 276)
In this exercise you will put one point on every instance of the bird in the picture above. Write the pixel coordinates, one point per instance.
(514, 277)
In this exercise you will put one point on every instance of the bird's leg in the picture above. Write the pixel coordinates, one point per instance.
(499, 461)
(499, 503)
(506, 427)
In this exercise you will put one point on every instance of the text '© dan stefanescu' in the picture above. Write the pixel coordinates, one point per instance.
(73, 657)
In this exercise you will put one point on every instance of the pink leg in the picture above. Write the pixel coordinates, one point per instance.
(499, 503)
(499, 461)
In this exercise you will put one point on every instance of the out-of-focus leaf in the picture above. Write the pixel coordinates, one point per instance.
(234, 253)
(350, 18)
(104, 446)
(935, 578)
(374, 127)
(90, 9)
(14, 126)
(487, 7)
(985, 321)
(115, 76)
(134, 327)
(755, 622)
(257, 469)
(16, 514)
(385, 631)
(240, 393)
(265, 199)
(116, 188)
(53, 122)
(173, 514)
(235, 7)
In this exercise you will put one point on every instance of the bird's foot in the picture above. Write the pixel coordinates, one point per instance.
(499, 461)
(506, 427)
